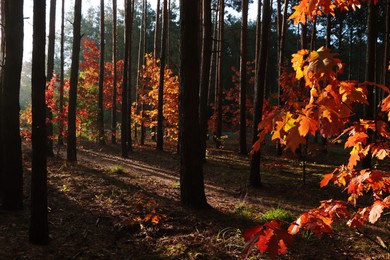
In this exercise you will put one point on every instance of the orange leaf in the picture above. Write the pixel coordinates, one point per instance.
(326, 179)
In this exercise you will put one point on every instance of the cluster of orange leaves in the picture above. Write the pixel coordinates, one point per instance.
(148, 98)
(307, 9)
(328, 108)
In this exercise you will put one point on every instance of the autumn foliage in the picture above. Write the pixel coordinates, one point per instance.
(148, 98)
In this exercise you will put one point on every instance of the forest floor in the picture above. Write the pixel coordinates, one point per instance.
(106, 207)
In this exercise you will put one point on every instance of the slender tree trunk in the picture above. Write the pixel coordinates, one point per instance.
(258, 33)
(156, 29)
(10, 139)
(160, 115)
(39, 230)
(74, 75)
(386, 45)
(129, 68)
(2, 64)
(50, 68)
(243, 76)
(125, 87)
(212, 78)
(254, 177)
(191, 171)
(219, 86)
(62, 77)
(205, 74)
(100, 119)
(169, 34)
(350, 51)
(114, 81)
(370, 73)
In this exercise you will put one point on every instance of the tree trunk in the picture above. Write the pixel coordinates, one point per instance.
(125, 88)
(74, 75)
(50, 68)
(160, 115)
(39, 231)
(205, 74)
(2, 62)
(258, 33)
(243, 76)
(100, 119)
(129, 68)
(114, 81)
(212, 77)
(219, 86)
(156, 29)
(10, 139)
(191, 171)
(313, 35)
(386, 45)
(62, 77)
(370, 73)
(254, 177)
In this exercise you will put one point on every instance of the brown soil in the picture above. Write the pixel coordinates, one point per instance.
(96, 211)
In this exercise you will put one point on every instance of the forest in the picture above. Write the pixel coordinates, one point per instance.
(202, 129)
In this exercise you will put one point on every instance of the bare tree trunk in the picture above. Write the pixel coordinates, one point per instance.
(125, 87)
(62, 76)
(10, 139)
(191, 171)
(74, 75)
(39, 227)
(50, 68)
(160, 115)
(369, 110)
(212, 77)
(156, 29)
(2, 64)
(100, 119)
(254, 177)
(386, 45)
(219, 86)
(205, 74)
(243, 76)
(114, 81)
(129, 68)
(313, 35)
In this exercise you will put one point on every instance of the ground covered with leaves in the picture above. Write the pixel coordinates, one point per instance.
(106, 207)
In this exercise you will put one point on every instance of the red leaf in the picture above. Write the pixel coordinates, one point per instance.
(326, 179)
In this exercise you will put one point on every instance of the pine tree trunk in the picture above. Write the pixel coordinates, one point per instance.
(160, 115)
(191, 171)
(49, 71)
(100, 119)
(114, 81)
(219, 86)
(39, 231)
(243, 77)
(125, 87)
(129, 68)
(2, 63)
(62, 77)
(254, 177)
(205, 74)
(370, 73)
(74, 75)
(156, 29)
(10, 139)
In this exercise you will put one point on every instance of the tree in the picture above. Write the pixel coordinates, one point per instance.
(191, 171)
(62, 76)
(2, 61)
(71, 145)
(205, 73)
(219, 81)
(254, 176)
(160, 116)
(156, 29)
(125, 85)
(49, 71)
(39, 231)
(100, 119)
(114, 59)
(11, 143)
(243, 60)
